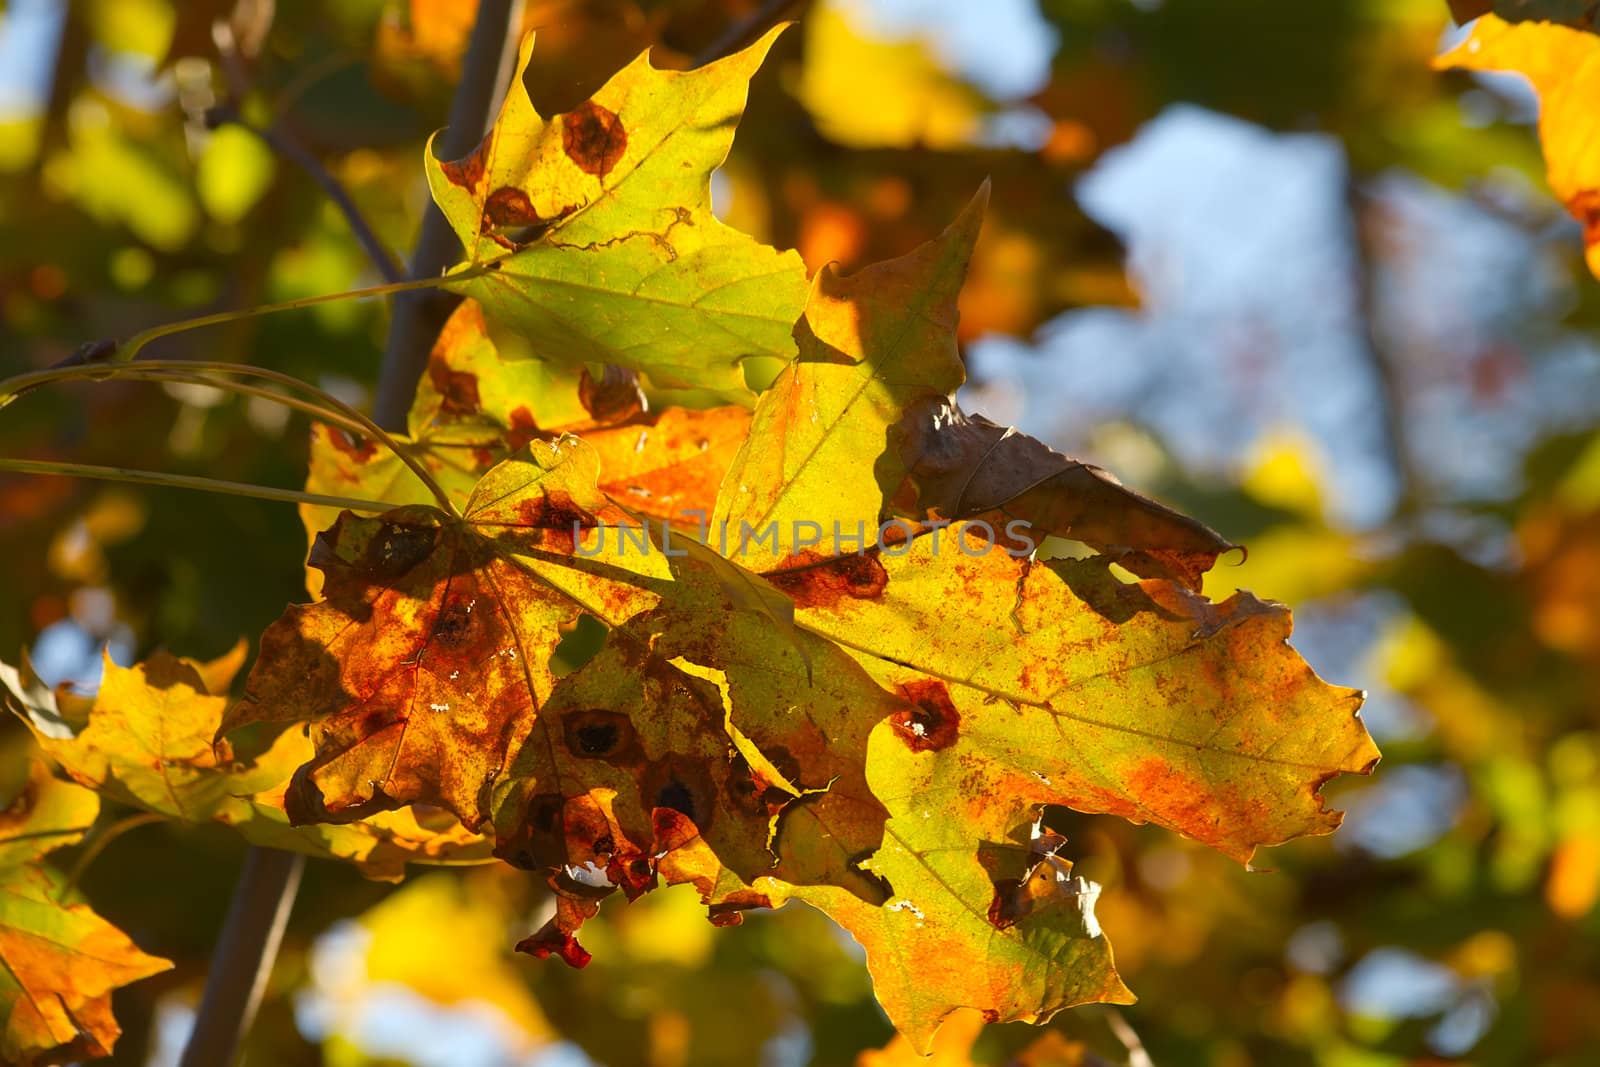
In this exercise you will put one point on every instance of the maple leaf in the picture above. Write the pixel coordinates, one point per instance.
(996, 927)
(954, 1047)
(426, 664)
(146, 739)
(598, 227)
(701, 722)
(474, 409)
(1026, 683)
(870, 392)
(1564, 66)
(59, 961)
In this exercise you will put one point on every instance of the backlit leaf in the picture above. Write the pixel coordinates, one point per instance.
(424, 668)
(475, 408)
(1564, 66)
(145, 739)
(59, 961)
(599, 229)
(870, 392)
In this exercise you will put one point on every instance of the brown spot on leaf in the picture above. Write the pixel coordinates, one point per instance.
(508, 206)
(682, 786)
(457, 389)
(815, 581)
(396, 549)
(544, 812)
(522, 429)
(558, 516)
(1003, 910)
(467, 172)
(455, 629)
(360, 451)
(593, 138)
(751, 793)
(931, 722)
(602, 735)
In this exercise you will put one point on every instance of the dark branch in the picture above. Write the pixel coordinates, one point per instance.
(748, 29)
(243, 958)
(491, 55)
(281, 142)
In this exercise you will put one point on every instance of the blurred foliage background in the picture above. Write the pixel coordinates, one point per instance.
(1255, 257)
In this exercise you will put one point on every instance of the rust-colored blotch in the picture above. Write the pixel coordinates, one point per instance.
(457, 389)
(812, 580)
(509, 206)
(931, 722)
(593, 138)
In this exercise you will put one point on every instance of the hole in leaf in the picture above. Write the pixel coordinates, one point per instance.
(578, 646)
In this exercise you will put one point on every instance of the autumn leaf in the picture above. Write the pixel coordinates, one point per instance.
(1026, 683)
(145, 739)
(474, 409)
(915, 102)
(590, 239)
(425, 666)
(871, 392)
(1564, 66)
(701, 722)
(443, 939)
(59, 961)
(994, 923)
(954, 1047)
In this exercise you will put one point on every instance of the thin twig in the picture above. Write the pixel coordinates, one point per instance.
(748, 29)
(99, 843)
(1387, 385)
(281, 142)
(491, 56)
(1125, 1033)
(188, 481)
(201, 372)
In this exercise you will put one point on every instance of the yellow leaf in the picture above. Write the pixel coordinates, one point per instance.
(1564, 66)
(59, 961)
(597, 231)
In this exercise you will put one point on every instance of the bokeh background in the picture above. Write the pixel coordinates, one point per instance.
(1255, 257)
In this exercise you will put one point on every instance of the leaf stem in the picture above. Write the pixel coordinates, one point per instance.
(185, 481)
(490, 59)
(332, 409)
(130, 348)
(99, 843)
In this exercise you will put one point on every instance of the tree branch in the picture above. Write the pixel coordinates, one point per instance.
(491, 56)
(281, 142)
(748, 29)
(286, 145)
(264, 895)
(243, 958)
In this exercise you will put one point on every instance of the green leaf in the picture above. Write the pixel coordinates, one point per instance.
(598, 226)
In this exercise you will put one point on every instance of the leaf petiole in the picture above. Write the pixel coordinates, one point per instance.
(129, 349)
(331, 409)
(184, 481)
